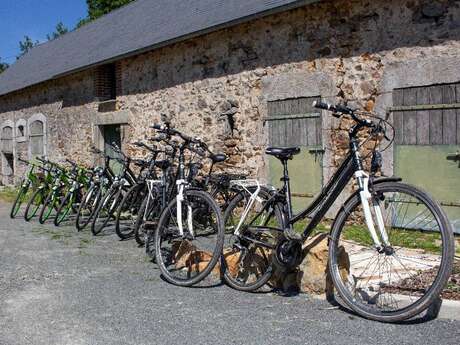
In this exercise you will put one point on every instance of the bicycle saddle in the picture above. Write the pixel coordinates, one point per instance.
(282, 153)
(219, 157)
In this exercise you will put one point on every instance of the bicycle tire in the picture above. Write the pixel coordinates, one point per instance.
(28, 215)
(270, 266)
(64, 209)
(18, 201)
(162, 230)
(47, 207)
(112, 198)
(131, 196)
(88, 204)
(432, 293)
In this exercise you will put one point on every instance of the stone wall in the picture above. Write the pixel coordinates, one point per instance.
(349, 43)
(68, 107)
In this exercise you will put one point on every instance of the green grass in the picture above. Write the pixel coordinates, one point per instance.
(428, 241)
(8, 194)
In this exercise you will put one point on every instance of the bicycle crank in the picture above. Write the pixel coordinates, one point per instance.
(289, 254)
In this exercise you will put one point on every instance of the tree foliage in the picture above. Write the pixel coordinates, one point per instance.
(3, 66)
(97, 8)
(26, 45)
(60, 30)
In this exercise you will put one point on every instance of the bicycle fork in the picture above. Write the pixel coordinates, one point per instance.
(180, 198)
(366, 199)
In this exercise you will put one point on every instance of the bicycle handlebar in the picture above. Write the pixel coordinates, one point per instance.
(334, 108)
(341, 109)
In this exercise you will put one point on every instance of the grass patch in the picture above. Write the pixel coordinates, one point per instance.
(424, 240)
(54, 234)
(84, 243)
(8, 194)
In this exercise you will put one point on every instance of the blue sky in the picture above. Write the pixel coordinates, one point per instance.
(35, 18)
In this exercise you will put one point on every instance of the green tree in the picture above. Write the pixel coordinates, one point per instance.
(97, 8)
(26, 45)
(3, 66)
(59, 31)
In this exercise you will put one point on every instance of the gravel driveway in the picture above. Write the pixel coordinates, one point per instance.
(58, 286)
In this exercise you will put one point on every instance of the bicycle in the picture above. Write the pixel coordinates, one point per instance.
(112, 198)
(79, 181)
(41, 192)
(190, 232)
(31, 179)
(102, 179)
(127, 219)
(55, 195)
(386, 277)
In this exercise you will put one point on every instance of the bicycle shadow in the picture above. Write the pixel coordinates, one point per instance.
(430, 314)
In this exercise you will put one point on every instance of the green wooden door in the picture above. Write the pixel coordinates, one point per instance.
(294, 122)
(112, 135)
(427, 127)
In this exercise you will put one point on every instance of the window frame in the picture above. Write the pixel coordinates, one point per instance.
(42, 118)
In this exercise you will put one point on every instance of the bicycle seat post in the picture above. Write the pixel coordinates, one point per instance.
(287, 187)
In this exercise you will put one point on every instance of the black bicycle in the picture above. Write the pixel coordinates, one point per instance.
(112, 198)
(378, 266)
(127, 215)
(190, 230)
(102, 178)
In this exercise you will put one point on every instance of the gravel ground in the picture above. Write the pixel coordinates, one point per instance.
(58, 286)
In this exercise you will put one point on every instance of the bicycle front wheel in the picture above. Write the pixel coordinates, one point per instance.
(403, 277)
(64, 208)
(106, 210)
(48, 206)
(128, 210)
(34, 203)
(21, 197)
(187, 257)
(88, 206)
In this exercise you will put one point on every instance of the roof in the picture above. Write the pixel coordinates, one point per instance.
(135, 28)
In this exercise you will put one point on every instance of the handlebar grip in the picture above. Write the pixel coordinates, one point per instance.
(334, 108)
(158, 127)
(322, 105)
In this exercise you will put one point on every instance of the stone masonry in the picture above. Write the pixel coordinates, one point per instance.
(217, 86)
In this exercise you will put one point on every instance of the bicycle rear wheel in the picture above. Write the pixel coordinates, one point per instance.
(87, 207)
(186, 259)
(247, 257)
(403, 278)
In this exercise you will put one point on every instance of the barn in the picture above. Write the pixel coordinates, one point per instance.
(242, 75)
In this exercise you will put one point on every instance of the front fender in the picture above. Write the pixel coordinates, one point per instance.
(386, 179)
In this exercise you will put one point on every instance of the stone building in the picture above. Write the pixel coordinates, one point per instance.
(242, 75)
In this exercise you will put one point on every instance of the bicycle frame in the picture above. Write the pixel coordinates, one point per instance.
(351, 166)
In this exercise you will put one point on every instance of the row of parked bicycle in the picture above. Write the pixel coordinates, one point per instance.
(190, 219)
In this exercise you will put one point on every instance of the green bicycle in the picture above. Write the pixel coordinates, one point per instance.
(55, 196)
(80, 181)
(39, 196)
(30, 180)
